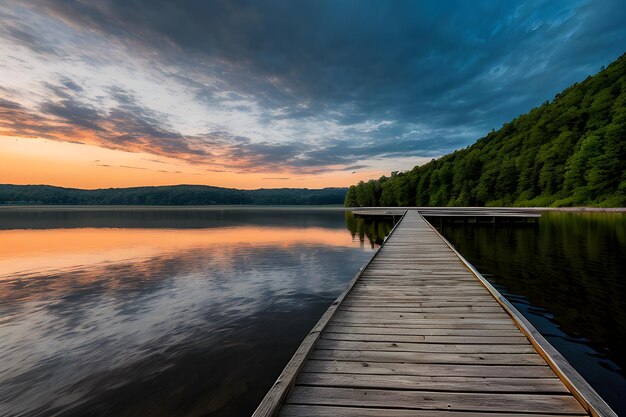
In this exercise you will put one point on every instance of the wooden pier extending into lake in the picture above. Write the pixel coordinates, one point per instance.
(419, 332)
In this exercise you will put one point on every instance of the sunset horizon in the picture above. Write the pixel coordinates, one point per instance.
(19, 166)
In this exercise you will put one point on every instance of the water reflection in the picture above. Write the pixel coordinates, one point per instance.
(162, 322)
(567, 276)
(23, 252)
(167, 217)
(374, 229)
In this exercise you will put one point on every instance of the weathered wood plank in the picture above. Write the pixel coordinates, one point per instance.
(423, 306)
(429, 357)
(424, 331)
(425, 324)
(435, 383)
(293, 410)
(427, 369)
(420, 400)
(439, 323)
(450, 298)
(473, 317)
(365, 337)
(416, 308)
(421, 347)
(424, 300)
(470, 317)
(420, 290)
(426, 312)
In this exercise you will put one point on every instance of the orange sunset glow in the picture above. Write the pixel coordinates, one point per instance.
(44, 161)
(28, 251)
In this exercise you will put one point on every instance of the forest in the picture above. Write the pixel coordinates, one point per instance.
(567, 152)
(168, 195)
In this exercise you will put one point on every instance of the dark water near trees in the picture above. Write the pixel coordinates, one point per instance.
(567, 276)
(161, 312)
(194, 312)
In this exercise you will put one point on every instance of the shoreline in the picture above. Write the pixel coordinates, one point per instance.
(10, 207)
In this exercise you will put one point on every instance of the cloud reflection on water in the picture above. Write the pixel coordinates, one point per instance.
(156, 321)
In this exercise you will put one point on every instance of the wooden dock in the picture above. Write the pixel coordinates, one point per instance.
(471, 215)
(419, 332)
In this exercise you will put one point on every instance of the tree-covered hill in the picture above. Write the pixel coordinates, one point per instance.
(568, 152)
(167, 195)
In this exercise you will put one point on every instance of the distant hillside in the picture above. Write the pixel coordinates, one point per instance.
(570, 152)
(168, 195)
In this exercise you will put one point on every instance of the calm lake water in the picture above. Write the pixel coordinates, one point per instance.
(161, 312)
(567, 276)
(195, 312)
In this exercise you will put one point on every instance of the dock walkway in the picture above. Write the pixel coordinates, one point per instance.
(418, 332)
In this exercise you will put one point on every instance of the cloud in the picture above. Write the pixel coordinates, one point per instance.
(8, 105)
(129, 126)
(131, 167)
(307, 86)
(64, 116)
(304, 52)
(23, 35)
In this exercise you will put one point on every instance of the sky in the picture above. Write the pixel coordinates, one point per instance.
(266, 94)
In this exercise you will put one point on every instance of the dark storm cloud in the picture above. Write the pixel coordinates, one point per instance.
(367, 52)
(441, 73)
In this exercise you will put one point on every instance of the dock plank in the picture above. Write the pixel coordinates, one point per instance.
(429, 357)
(291, 410)
(427, 369)
(413, 338)
(422, 347)
(436, 383)
(431, 400)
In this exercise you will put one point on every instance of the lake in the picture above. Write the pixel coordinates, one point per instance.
(195, 311)
(161, 312)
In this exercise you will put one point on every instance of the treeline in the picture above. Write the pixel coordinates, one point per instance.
(570, 152)
(168, 195)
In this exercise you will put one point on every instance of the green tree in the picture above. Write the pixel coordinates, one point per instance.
(571, 151)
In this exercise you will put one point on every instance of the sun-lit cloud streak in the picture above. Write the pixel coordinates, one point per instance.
(246, 93)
